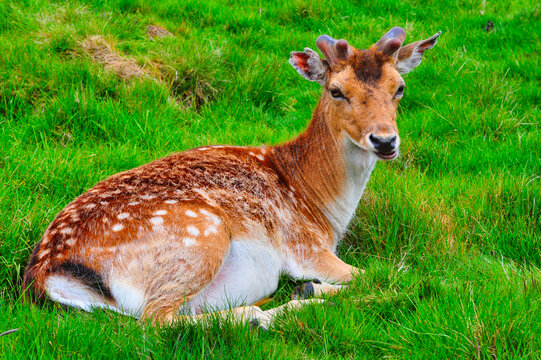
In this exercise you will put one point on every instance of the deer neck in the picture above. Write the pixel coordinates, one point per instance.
(328, 168)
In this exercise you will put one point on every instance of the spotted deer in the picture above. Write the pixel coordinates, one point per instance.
(212, 228)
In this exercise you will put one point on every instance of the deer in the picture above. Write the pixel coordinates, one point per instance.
(210, 230)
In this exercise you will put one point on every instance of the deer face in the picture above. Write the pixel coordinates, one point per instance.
(362, 103)
(363, 87)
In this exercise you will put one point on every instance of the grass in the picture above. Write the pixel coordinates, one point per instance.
(449, 234)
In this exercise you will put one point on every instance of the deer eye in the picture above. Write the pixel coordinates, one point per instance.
(337, 94)
(399, 92)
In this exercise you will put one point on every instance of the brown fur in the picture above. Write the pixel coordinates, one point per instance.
(368, 64)
(309, 162)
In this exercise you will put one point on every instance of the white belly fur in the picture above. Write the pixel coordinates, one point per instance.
(250, 272)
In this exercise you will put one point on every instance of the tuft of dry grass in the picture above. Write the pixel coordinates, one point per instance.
(102, 52)
(154, 31)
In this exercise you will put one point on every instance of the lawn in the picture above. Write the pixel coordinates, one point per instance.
(449, 234)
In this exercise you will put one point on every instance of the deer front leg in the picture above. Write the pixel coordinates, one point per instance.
(334, 273)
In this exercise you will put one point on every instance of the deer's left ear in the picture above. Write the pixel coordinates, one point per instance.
(411, 55)
(309, 65)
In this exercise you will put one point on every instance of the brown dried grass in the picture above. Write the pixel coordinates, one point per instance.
(154, 31)
(102, 52)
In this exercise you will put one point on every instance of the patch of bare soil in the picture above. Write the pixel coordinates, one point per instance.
(154, 31)
(102, 52)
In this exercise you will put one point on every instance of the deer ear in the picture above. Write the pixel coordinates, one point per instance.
(411, 55)
(309, 65)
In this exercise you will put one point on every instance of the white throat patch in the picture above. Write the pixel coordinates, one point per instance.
(359, 165)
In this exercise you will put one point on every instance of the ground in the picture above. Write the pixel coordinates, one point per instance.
(449, 234)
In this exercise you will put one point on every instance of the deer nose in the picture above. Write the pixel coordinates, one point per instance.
(383, 144)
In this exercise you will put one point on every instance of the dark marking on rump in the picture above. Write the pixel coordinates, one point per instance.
(85, 275)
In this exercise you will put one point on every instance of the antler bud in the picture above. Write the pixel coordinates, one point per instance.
(333, 50)
(391, 42)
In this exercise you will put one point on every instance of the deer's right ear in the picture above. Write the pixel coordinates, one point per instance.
(309, 65)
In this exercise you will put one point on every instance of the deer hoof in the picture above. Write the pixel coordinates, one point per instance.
(259, 324)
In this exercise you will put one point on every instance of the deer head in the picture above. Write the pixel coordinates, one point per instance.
(363, 87)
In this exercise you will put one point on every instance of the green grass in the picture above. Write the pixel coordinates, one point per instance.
(449, 234)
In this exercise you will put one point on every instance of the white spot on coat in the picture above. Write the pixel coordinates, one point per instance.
(210, 230)
(188, 241)
(123, 216)
(156, 220)
(215, 219)
(43, 253)
(191, 213)
(70, 242)
(90, 206)
(148, 197)
(170, 201)
(193, 230)
(260, 157)
(117, 227)
(160, 212)
(133, 203)
(66, 231)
